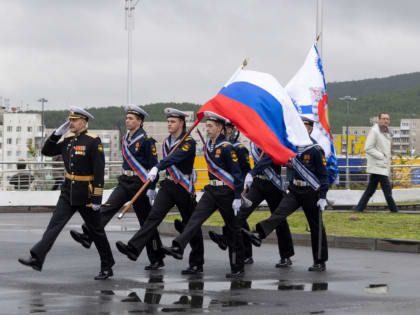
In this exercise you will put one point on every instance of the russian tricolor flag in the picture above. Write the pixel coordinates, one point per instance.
(262, 110)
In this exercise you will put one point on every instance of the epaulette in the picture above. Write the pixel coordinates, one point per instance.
(148, 137)
(188, 138)
(92, 135)
(71, 134)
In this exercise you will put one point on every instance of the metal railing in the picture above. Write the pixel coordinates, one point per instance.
(50, 175)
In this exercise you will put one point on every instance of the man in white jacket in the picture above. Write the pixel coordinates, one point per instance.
(378, 152)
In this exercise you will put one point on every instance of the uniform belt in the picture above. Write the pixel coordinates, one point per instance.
(300, 183)
(80, 178)
(129, 173)
(261, 176)
(216, 182)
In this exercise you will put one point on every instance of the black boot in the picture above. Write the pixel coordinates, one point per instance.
(81, 238)
(248, 261)
(31, 262)
(193, 270)
(174, 251)
(155, 265)
(318, 267)
(127, 250)
(219, 239)
(235, 274)
(284, 263)
(253, 236)
(104, 274)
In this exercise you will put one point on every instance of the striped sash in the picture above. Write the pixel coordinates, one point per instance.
(306, 174)
(131, 160)
(269, 171)
(179, 178)
(217, 171)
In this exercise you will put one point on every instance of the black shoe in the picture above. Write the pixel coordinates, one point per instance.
(174, 251)
(284, 263)
(394, 211)
(192, 270)
(318, 267)
(31, 262)
(235, 274)
(179, 226)
(127, 250)
(155, 265)
(253, 236)
(104, 274)
(81, 238)
(220, 240)
(248, 261)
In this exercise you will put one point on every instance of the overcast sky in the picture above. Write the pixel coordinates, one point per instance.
(74, 52)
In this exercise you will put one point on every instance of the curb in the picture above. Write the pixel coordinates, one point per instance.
(347, 242)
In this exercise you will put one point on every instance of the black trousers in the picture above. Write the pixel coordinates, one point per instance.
(169, 195)
(260, 190)
(127, 187)
(216, 197)
(306, 198)
(374, 179)
(61, 215)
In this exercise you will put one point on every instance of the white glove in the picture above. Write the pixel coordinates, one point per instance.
(96, 207)
(322, 203)
(248, 180)
(63, 129)
(153, 173)
(151, 194)
(236, 205)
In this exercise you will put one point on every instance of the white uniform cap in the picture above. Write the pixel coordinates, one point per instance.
(172, 112)
(77, 112)
(133, 109)
(216, 117)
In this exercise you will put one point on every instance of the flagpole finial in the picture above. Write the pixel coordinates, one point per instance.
(244, 63)
(317, 38)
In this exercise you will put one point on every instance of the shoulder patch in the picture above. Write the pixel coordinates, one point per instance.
(100, 147)
(154, 150)
(92, 135)
(234, 156)
(241, 146)
(225, 145)
(148, 137)
(186, 147)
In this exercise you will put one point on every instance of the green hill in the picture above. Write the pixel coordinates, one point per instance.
(373, 86)
(397, 95)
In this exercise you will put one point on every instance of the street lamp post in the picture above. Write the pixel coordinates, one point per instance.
(43, 101)
(347, 98)
(129, 7)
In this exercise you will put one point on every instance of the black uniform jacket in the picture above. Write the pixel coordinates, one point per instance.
(84, 162)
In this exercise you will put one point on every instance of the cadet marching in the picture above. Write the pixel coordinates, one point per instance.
(234, 189)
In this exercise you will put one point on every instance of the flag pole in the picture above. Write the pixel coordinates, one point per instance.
(319, 25)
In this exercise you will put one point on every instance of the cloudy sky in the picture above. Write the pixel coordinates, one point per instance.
(75, 52)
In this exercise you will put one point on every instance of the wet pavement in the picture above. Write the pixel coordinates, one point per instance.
(356, 281)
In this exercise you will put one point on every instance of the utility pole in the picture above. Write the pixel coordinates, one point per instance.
(129, 7)
(43, 101)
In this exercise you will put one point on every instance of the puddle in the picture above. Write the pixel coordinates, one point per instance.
(377, 289)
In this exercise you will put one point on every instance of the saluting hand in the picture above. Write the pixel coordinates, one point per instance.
(63, 129)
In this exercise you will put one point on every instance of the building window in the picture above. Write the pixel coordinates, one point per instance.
(28, 154)
(39, 128)
(9, 153)
(9, 166)
(29, 129)
(18, 153)
(18, 129)
(9, 140)
(9, 128)
(18, 140)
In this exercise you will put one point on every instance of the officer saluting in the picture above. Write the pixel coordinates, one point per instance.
(307, 189)
(139, 156)
(223, 193)
(176, 189)
(81, 191)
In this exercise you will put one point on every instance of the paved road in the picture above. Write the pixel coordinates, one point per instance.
(66, 284)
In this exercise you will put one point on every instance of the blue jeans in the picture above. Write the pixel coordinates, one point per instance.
(374, 179)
